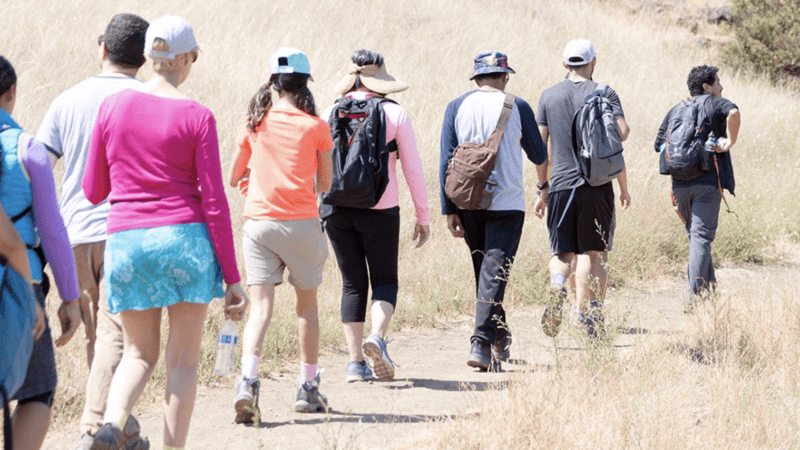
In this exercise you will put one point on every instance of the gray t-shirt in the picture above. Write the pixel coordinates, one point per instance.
(557, 106)
(66, 131)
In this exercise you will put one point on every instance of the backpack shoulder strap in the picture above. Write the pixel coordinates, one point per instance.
(505, 114)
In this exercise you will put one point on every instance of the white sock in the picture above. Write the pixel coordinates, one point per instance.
(116, 416)
(249, 366)
(307, 371)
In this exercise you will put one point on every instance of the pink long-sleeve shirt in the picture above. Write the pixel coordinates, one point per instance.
(157, 160)
(398, 127)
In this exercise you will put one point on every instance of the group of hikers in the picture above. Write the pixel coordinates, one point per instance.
(143, 223)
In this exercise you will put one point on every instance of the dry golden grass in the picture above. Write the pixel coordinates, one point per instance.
(430, 44)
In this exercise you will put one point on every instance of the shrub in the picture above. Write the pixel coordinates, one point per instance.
(766, 39)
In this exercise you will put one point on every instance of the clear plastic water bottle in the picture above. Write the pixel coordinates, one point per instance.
(226, 348)
(711, 143)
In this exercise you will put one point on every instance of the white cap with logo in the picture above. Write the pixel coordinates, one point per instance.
(175, 34)
(579, 52)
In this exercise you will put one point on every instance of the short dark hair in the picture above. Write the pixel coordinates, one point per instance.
(124, 39)
(701, 75)
(364, 58)
(8, 77)
(490, 76)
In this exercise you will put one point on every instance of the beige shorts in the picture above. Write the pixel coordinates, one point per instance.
(270, 246)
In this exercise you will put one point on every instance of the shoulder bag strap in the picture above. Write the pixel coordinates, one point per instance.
(508, 106)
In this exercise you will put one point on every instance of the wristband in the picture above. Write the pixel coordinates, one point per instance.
(544, 186)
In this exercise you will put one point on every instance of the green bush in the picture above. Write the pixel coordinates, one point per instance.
(766, 39)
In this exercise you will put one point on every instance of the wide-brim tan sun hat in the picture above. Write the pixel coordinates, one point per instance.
(373, 77)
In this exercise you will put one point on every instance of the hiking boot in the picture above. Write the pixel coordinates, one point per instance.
(309, 399)
(581, 320)
(480, 356)
(382, 366)
(109, 437)
(501, 347)
(597, 318)
(358, 371)
(246, 399)
(131, 436)
(551, 317)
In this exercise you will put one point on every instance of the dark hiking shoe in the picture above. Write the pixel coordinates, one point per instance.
(131, 436)
(109, 437)
(480, 356)
(501, 347)
(246, 399)
(309, 400)
(597, 319)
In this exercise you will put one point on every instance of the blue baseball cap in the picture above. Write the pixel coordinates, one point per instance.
(289, 60)
(491, 62)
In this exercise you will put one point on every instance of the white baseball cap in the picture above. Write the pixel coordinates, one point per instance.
(176, 33)
(578, 52)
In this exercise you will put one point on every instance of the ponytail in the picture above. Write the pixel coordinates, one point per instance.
(259, 105)
(8, 77)
(305, 101)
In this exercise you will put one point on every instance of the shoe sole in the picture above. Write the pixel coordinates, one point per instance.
(501, 356)
(479, 363)
(244, 411)
(551, 322)
(381, 369)
(305, 407)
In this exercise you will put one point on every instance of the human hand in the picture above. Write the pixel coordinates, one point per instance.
(624, 200)
(423, 232)
(723, 145)
(454, 225)
(38, 325)
(540, 207)
(244, 182)
(69, 314)
(235, 302)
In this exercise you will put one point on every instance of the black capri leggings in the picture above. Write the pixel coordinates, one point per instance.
(365, 242)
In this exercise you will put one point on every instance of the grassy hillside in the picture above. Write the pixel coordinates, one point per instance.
(430, 45)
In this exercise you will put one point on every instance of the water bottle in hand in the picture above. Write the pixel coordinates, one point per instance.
(226, 348)
(711, 143)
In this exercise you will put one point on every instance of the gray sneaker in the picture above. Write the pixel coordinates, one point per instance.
(309, 399)
(382, 366)
(358, 371)
(132, 440)
(246, 399)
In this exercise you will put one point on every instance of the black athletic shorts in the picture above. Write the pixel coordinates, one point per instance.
(580, 220)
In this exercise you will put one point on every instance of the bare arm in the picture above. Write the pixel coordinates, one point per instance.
(624, 197)
(541, 173)
(624, 129)
(324, 171)
(239, 167)
(734, 121)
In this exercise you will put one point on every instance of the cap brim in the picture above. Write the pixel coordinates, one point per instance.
(493, 69)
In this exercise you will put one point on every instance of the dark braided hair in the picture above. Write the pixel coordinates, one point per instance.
(282, 82)
(8, 77)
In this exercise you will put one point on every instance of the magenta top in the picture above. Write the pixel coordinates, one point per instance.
(157, 160)
(49, 223)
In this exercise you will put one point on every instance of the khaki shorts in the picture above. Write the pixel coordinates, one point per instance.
(270, 246)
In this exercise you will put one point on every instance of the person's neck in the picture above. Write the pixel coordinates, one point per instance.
(286, 101)
(163, 85)
(578, 77)
(109, 68)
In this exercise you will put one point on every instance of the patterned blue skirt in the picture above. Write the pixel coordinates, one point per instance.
(158, 267)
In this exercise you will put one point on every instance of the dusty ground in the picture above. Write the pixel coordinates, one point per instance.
(433, 382)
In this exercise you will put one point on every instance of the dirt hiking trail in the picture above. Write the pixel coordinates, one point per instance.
(433, 383)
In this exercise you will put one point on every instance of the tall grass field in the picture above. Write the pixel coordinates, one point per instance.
(746, 391)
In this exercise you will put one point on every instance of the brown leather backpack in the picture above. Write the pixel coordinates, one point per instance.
(467, 181)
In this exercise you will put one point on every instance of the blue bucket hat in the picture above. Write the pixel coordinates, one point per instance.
(491, 62)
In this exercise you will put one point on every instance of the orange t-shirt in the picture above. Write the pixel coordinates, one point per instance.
(284, 161)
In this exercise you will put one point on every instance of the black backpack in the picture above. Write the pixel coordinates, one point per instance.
(683, 155)
(595, 139)
(360, 153)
